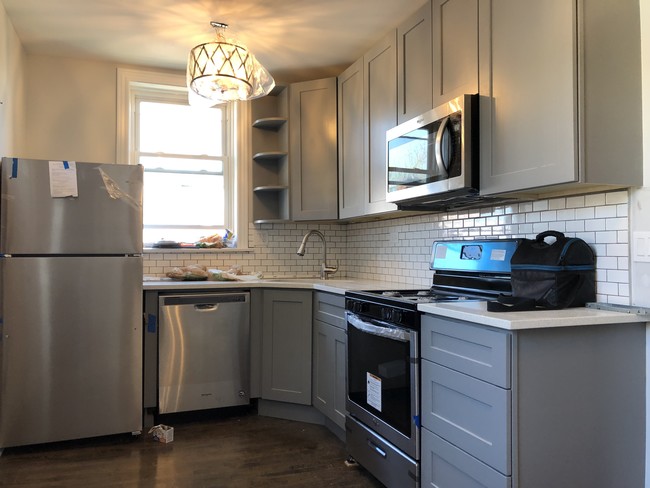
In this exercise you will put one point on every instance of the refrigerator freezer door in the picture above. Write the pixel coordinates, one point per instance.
(106, 217)
(71, 349)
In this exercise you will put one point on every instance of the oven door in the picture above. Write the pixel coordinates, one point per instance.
(383, 380)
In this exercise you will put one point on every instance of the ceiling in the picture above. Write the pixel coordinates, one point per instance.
(295, 39)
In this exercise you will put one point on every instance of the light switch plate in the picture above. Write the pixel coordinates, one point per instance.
(641, 247)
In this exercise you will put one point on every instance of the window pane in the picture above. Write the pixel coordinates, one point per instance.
(183, 199)
(179, 164)
(180, 129)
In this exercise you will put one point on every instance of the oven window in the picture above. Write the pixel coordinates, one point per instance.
(379, 377)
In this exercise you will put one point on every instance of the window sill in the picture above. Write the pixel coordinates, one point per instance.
(179, 250)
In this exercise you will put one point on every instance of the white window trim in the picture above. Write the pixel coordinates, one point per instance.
(240, 139)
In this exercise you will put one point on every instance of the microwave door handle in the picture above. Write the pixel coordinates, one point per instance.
(440, 162)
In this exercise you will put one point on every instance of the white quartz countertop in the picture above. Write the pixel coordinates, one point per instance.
(470, 310)
(537, 319)
(332, 285)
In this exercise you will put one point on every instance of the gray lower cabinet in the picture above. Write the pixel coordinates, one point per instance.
(286, 345)
(532, 408)
(329, 357)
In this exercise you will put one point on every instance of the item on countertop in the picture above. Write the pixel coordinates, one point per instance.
(214, 241)
(233, 274)
(550, 276)
(166, 244)
(193, 272)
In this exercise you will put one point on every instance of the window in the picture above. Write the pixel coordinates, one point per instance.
(189, 158)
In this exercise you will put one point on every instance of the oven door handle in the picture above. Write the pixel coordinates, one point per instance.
(386, 330)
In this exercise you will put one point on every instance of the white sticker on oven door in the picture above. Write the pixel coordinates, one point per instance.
(373, 391)
(498, 255)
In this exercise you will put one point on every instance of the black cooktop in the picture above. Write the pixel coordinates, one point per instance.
(463, 270)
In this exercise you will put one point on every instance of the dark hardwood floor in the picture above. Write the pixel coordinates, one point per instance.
(238, 451)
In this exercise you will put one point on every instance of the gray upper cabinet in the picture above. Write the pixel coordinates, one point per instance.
(380, 114)
(313, 147)
(351, 141)
(560, 88)
(367, 109)
(455, 49)
(415, 61)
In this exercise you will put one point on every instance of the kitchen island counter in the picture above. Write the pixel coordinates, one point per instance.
(476, 311)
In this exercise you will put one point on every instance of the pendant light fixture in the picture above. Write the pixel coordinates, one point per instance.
(224, 70)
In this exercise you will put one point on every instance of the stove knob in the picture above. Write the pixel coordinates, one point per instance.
(397, 316)
(387, 313)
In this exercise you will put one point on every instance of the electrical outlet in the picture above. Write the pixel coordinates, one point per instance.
(641, 247)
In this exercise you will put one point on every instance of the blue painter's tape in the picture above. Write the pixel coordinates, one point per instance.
(416, 420)
(14, 168)
(151, 323)
(66, 165)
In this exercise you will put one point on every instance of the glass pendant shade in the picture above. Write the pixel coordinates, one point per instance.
(224, 70)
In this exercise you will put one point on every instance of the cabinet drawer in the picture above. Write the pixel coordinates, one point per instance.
(471, 349)
(469, 413)
(330, 308)
(446, 466)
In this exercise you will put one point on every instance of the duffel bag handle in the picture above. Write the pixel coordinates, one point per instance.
(549, 233)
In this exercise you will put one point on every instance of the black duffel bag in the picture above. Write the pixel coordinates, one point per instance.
(551, 276)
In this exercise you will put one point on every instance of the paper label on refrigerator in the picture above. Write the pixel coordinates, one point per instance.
(373, 391)
(63, 179)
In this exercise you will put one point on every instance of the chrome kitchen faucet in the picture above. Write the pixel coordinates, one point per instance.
(325, 270)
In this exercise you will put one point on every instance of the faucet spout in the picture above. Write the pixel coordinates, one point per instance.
(325, 270)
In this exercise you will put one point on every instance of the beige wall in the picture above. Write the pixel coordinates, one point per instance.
(71, 109)
(11, 87)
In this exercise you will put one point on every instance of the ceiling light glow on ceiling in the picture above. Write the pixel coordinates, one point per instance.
(224, 70)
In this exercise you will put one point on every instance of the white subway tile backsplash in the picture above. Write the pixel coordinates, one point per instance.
(398, 249)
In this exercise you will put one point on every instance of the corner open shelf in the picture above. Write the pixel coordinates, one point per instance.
(270, 161)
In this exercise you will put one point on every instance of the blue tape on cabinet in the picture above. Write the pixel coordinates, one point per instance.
(151, 323)
(14, 168)
(66, 165)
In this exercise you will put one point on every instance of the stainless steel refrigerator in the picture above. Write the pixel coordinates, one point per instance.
(71, 300)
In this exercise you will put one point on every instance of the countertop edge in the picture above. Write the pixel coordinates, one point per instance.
(337, 286)
(471, 311)
(542, 319)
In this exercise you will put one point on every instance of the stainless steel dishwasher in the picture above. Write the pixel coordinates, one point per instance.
(204, 351)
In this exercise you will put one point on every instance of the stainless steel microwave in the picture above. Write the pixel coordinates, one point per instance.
(433, 159)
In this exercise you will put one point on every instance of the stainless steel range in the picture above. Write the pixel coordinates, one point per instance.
(383, 400)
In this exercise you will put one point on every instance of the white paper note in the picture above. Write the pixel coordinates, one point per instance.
(373, 391)
(63, 179)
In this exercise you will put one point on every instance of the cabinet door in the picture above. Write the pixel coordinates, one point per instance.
(415, 62)
(351, 141)
(469, 413)
(286, 346)
(312, 142)
(446, 466)
(329, 371)
(455, 49)
(380, 114)
(528, 83)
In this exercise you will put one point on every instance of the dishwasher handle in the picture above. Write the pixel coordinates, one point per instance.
(204, 302)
